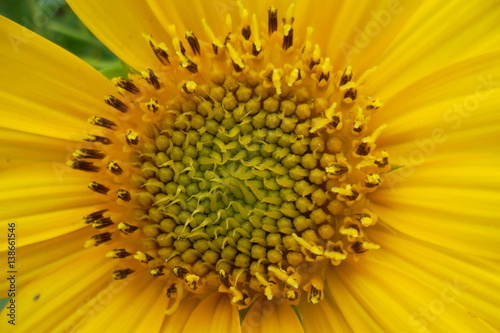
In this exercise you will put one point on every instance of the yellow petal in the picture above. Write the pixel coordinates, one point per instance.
(119, 24)
(467, 280)
(70, 283)
(214, 314)
(44, 89)
(269, 316)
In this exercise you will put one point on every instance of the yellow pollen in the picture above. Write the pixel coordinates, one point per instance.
(235, 163)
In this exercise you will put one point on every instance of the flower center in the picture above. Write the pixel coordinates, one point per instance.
(241, 165)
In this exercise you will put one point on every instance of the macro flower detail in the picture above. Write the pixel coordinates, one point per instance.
(241, 164)
(290, 166)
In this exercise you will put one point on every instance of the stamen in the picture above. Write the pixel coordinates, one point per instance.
(97, 138)
(272, 20)
(132, 138)
(102, 223)
(118, 254)
(124, 195)
(98, 121)
(89, 153)
(114, 168)
(83, 165)
(151, 78)
(98, 239)
(121, 273)
(116, 103)
(126, 228)
(123, 84)
(94, 216)
(193, 42)
(98, 188)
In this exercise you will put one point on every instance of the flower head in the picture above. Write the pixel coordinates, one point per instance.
(254, 173)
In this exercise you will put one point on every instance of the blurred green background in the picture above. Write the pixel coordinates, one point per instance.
(54, 20)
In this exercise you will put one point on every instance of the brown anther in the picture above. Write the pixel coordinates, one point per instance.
(182, 48)
(191, 66)
(127, 85)
(255, 51)
(372, 180)
(132, 137)
(99, 239)
(346, 77)
(224, 279)
(151, 78)
(324, 76)
(315, 295)
(118, 254)
(272, 21)
(339, 169)
(180, 272)
(288, 41)
(97, 138)
(189, 87)
(114, 168)
(83, 165)
(237, 67)
(153, 105)
(116, 103)
(123, 194)
(352, 197)
(246, 32)
(160, 53)
(89, 153)
(313, 63)
(351, 93)
(193, 42)
(228, 38)
(98, 188)
(121, 273)
(171, 290)
(363, 149)
(157, 271)
(94, 216)
(143, 257)
(102, 223)
(126, 228)
(215, 48)
(335, 121)
(103, 122)
(381, 162)
(357, 247)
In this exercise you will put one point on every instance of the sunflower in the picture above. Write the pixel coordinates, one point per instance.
(265, 166)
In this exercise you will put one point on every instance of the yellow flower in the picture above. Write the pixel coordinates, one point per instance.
(301, 167)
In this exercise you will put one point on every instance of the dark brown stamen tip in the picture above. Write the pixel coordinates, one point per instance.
(97, 138)
(94, 216)
(98, 188)
(103, 122)
(83, 165)
(102, 223)
(116, 103)
(288, 40)
(193, 42)
(272, 21)
(114, 168)
(246, 32)
(127, 85)
(121, 273)
(89, 153)
(123, 194)
(160, 53)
